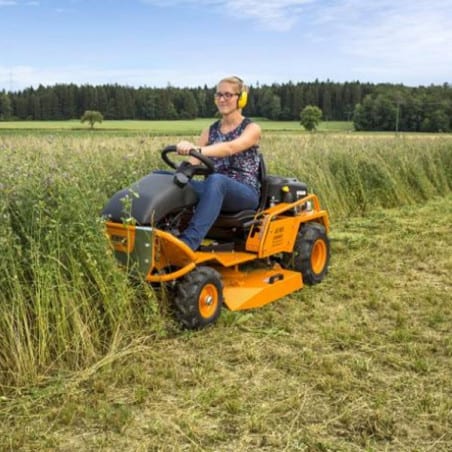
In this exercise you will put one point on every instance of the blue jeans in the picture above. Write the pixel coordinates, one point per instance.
(216, 193)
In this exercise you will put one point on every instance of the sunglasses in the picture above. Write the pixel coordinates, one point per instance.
(226, 96)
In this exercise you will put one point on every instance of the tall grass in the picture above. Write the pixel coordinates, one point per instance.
(353, 174)
(64, 304)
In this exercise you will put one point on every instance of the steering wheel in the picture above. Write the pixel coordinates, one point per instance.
(207, 168)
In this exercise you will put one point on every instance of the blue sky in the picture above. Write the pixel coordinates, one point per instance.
(196, 42)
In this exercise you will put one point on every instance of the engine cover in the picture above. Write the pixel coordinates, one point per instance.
(149, 200)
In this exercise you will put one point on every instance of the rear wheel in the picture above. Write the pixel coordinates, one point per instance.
(198, 298)
(311, 253)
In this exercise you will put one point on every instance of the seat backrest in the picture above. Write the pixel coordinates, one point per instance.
(230, 220)
(262, 177)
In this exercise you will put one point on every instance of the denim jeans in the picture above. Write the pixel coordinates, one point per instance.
(216, 193)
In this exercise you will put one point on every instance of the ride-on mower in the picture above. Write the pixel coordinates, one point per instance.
(248, 259)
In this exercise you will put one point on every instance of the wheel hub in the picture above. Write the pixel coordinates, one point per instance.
(208, 300)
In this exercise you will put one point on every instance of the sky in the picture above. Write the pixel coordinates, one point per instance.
(190, 43)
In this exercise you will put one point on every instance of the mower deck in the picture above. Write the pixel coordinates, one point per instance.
(252, 284)
(255, 288)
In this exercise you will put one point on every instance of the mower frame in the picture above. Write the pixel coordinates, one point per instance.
(285, 244)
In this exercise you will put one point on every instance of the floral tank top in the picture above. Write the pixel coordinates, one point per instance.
(244, 166)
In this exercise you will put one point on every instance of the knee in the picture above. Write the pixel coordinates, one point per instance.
(216, 182)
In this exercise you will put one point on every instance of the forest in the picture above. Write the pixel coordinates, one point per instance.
(371, 107)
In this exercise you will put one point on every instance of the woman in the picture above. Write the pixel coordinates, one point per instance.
(232, 143)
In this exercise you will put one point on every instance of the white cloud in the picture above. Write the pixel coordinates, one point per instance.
(18, 77)
(367, 40)
(278, 15)
(284, 14)
(14, 3)
(405, 38)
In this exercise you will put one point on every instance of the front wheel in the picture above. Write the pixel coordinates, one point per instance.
(311, 253)
(199, 298)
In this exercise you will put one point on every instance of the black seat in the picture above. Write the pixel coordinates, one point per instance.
(236, 220)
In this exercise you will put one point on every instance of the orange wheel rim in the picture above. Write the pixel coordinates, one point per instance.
(318, 256)
(208, 300)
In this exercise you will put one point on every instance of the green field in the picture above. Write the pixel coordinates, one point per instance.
(181, 127)
(89, 361)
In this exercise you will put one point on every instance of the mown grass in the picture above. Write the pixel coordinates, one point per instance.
(361, 361)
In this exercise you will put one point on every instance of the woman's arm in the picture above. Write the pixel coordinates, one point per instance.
(249, 137)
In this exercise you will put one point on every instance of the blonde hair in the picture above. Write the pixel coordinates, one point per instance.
(237, 81)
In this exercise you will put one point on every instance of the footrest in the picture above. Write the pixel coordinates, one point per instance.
(217, 246)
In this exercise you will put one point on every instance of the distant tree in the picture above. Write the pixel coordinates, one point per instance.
(437, 121)
(92, 117)
(150, 107)
(204, 101)
(5, 106)
(310, 117)
(375, 113)
(34, 107)
(361, 115)
(327, 108)
(187, 105)
(165, 105)
(373, 106)
(50, 108)
(269, 104)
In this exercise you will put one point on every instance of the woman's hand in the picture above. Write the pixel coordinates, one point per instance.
(183, 147)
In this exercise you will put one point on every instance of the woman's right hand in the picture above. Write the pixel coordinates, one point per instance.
(184, 147)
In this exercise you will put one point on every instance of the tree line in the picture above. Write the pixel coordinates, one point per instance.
(369, 106)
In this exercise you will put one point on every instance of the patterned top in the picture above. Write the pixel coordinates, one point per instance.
(243, 166)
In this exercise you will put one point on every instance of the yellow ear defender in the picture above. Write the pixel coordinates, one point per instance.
(243, 99)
